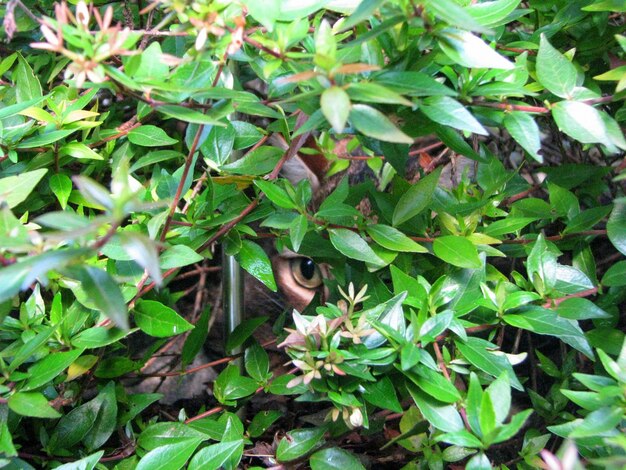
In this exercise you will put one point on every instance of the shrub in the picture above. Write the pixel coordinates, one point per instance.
(455, 311)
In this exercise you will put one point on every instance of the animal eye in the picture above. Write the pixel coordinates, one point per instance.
(306, 273)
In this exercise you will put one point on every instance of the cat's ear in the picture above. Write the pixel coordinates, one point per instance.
(310, 165)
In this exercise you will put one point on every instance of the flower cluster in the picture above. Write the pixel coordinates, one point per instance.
(69, 34)
(319, 346)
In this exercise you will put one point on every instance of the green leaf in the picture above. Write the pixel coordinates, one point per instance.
(79, 151)
(30, 347)
(153, 157)
(434, 384)
(178, 256)
(98, 337)
(150, 136)
(369, 92)
(94, 192)
(265, 12)
(275, 193)
(299, 442)
(412, 83)
(473, 400)
(335, 104)
(554, 71)
(13, 109)
(478, 462)
(524, 130)
(352, 245)
(542, 261)
(382, 393)
(169, 456)
(493, 13)
(606, 5)
(160, 321)
(564, 202)
(452, 13)
(373, 123)
(469, 50)
(546, 322)
(416, 199)
(585, 262)
(256, 163)
(147, 66)
(363, 11)
(87, 463)
(458, 251)
(27, 86)
(49, 367)
(243, 331)
(33, 404)
(143, 251)
(508, 225)
(499, 392)
(246, 134)
(13, 233)
(487, 417)
(230, 385)
(580, 309)
(616, 227)
(587, 219)
(15, 189)
(435, 325)
(598, 422)
(297, 230)
(388, 316)
(187, 115)
(449, 112)
(104, 408)
(74, 426)
(510, 429)
(570, 280)
(216, 455)
(519, 298)
(461, 438)
(104, 293)
(455, 142)
(197, 337)
(7, 62)
(325, 45)
(393, 239)
(581, 122)
(334, 458)
(159, 434)
(46, 138)
(257, 363)
(482, 355)
(254, 260)
(262, 421)
(442, 416)
(61, 186)
(112, 367)
(615, 276)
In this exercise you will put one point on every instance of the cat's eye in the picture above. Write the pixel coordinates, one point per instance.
(306, 272)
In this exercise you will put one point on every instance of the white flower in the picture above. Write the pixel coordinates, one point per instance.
(82, 14)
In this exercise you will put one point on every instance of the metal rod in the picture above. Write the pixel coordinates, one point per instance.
(233, 301)
(232, 281)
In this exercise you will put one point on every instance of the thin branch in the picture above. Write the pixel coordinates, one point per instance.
(107, 236)
(539, 109)
(181, 185)
(560, 300)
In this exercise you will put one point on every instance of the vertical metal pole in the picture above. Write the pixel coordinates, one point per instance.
(233, 301)
(232, 277)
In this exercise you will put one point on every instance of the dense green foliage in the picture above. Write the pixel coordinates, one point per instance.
(454, 312)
